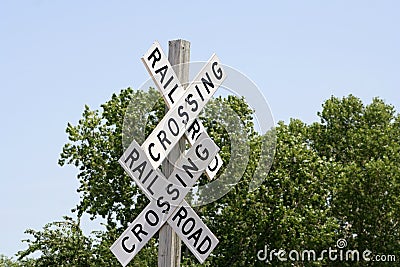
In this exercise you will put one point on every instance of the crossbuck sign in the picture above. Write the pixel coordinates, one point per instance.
(166, 194)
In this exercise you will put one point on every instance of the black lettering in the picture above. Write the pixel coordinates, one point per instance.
(183, 114)
(219, 71)
(162, 204)
(147, 176)
(205, 152)
(185, 232)
(151, 184)
(156, 58)
(182, 213)
(162, 137)
(124, 246)
(151, 153)
(140, 169)
(138, 229)
(163, 72)
(171, 92)
(207, 83)
(168, 82)
(133, 156)
(155, 217)
(170, 192)
(180, 180)
(195, 126)
(216, 165)
(191, 167)
(198, 91)
(199, 248)
(190, 102)
(172, 121)
(196, 236)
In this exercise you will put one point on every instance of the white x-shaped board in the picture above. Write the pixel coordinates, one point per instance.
(136, 164)
(183, 114)
(167, 202)
(168, 84)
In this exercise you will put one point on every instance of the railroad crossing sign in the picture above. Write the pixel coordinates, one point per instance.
(166, 196)
(168, 84)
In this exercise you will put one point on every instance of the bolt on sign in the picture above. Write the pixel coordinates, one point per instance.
(167, 204)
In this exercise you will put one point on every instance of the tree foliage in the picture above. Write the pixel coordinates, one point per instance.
(60, 243)
(365, 142)
(337, 178)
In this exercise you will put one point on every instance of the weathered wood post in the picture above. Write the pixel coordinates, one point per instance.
(169, 249)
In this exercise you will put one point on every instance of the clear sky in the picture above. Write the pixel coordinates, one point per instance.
(57, 56)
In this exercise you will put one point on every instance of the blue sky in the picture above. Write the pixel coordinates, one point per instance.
(57, 56)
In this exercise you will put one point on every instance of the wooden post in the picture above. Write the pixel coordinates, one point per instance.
(169, 248)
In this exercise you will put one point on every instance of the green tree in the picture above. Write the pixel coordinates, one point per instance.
(8, 262)
(278, 214)
(338, 178)
(365, 141)
(61, 244)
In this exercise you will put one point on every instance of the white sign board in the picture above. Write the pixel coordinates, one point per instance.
(167, 196)
(136, 164)
(174, 124)
(159, 68)
(199, 238)
(168, 84)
